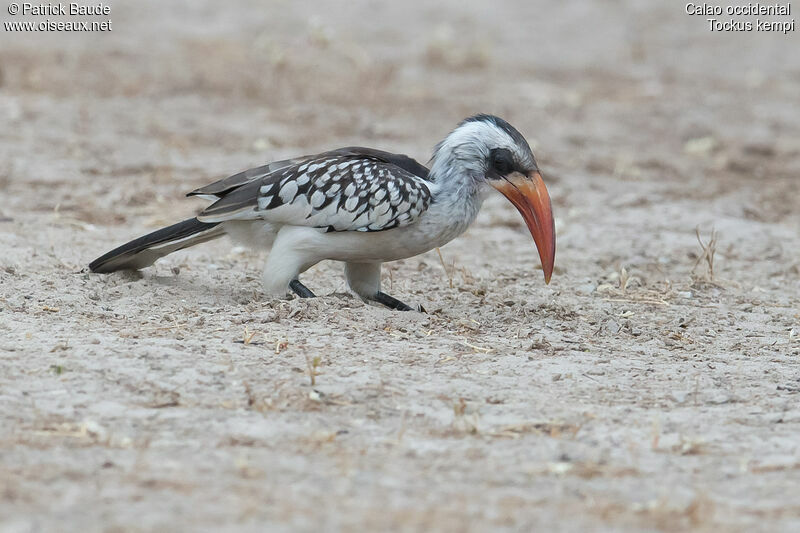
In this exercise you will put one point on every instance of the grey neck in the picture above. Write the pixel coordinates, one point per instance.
(457, 186)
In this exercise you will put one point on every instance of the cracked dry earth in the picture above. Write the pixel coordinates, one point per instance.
(640, 391)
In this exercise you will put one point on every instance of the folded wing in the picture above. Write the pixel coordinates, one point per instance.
(350, 189)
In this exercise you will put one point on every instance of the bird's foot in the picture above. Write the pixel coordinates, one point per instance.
(393, 303)
(381, 297)
(301, 290)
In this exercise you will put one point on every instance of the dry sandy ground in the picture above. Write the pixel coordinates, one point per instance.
(655, 398)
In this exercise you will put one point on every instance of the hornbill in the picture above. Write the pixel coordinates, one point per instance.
(360, 206)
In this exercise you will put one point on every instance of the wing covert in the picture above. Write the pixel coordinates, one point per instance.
(338, 191)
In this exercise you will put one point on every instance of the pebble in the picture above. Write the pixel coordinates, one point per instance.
(678, 396)
(588, 288)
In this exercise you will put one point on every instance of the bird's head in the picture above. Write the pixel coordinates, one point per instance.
(494, 154)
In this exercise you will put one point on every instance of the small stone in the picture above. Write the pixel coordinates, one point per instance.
(94, 430)
(701, 146)
(678, 396)
(588, 288)
(722, 398)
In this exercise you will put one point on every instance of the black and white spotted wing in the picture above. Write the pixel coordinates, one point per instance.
(338, 191)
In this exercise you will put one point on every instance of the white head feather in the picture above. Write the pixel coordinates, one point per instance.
(467, 147)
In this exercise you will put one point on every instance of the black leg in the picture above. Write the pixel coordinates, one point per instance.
(301, 290)
(394, 303)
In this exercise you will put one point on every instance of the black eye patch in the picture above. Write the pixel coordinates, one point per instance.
(501, 161)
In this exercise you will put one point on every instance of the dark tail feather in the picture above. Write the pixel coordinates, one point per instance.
(144, 251)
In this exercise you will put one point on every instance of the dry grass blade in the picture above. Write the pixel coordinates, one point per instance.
(444, 266)
(247, 338)
(709, 250)
(313, 365)
(638, 300)
(623, 279)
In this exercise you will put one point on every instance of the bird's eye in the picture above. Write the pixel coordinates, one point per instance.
(502, 162)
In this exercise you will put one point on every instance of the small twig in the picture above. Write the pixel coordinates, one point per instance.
(479, 348)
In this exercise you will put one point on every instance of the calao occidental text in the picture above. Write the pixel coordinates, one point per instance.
(750, 9)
